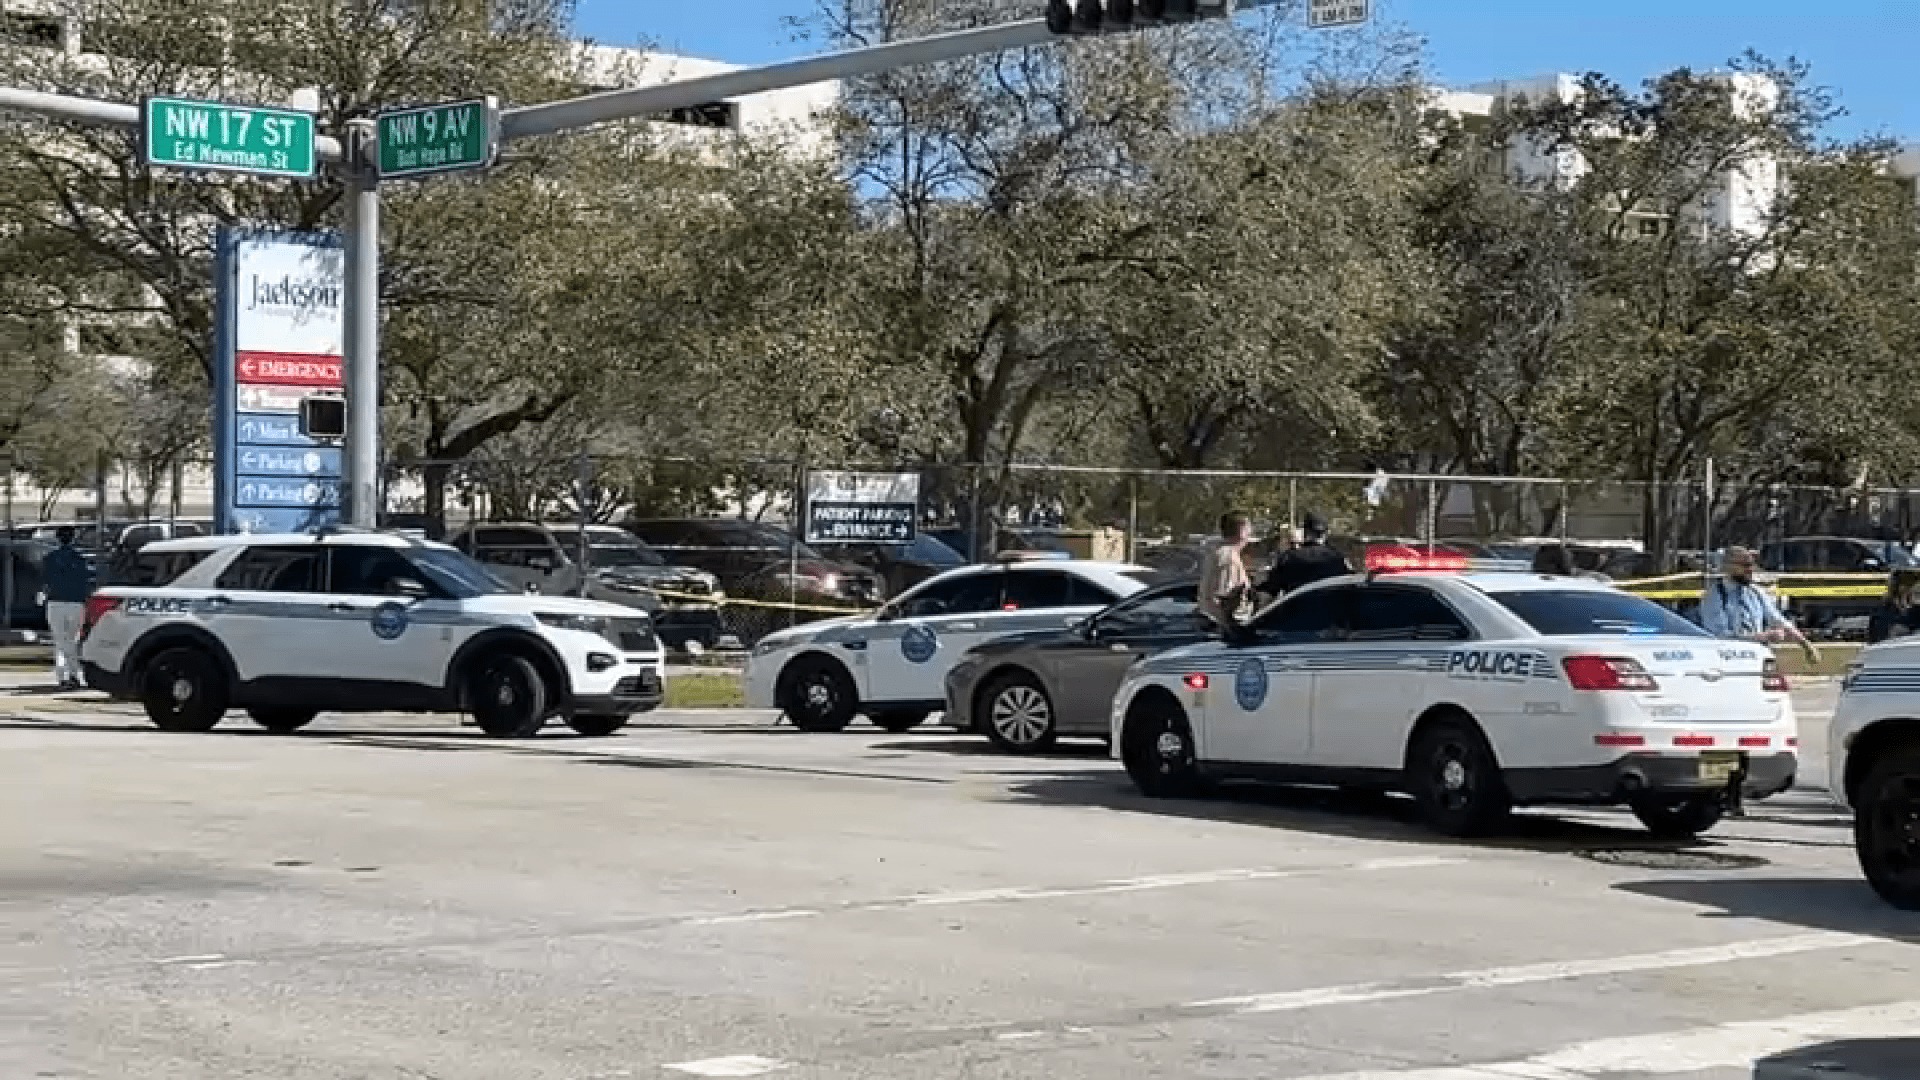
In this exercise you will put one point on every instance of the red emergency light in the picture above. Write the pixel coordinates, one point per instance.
(1406, 558)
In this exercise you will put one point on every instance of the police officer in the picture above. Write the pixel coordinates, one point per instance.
(69, 581)
(1312, 561)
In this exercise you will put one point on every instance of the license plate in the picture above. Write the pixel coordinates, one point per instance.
(1718, 768)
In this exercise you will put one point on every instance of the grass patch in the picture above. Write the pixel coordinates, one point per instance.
(718, 691)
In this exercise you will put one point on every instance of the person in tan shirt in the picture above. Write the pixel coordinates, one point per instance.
(1224, 584)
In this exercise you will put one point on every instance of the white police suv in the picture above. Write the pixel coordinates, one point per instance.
(286, 627)
(1473, 693)
(892, 665)
(1873, 749)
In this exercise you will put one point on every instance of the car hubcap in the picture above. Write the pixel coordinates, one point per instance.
(1020, 714)
(1456, 780)
(1170, 746)
(182, 690)
(504, 695)
(819, 696)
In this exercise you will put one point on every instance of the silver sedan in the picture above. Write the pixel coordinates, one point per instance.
(1026, 690)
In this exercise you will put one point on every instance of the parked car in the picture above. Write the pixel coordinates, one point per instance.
(1023, 691)
(28, 610)
(759, 561)
(902, 566)
(1834, 555)
(619, 569)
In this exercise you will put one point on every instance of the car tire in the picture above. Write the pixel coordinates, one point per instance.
(597, 725)
(1017, 715)
(1679, 817)
(507, 696)
(1455, 778)
(898, 721)
(282, 721)
(818, 695)
(1886, 827)
(184, 689)
(1158, 750)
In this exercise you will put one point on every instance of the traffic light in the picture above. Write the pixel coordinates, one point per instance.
(1113, 16)
(323, 417)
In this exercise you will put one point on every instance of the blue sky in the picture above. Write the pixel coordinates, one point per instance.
(1865, 49)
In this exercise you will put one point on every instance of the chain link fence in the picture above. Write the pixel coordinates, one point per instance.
(1831, 548)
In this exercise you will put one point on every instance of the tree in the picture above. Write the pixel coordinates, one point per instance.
(1690, 333)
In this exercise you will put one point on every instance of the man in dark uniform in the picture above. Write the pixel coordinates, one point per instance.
(1312, 561)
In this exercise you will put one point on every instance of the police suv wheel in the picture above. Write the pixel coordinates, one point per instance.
(1886, 827)
(282, 721)
(1679, 817)
(1158, 750)
(597, 726)
(898, 721)
(818, 695)
(1017, 715)
(1455, 779)
(184, 689)
(507, 697)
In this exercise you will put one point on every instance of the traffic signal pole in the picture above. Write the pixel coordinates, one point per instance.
(360, 464)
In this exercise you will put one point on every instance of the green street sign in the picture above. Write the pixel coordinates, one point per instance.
(185, 134)
(439, 138)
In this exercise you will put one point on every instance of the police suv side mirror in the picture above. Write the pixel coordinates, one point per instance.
(1239, 634)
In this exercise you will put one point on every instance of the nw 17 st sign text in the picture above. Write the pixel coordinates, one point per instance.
(229, 138)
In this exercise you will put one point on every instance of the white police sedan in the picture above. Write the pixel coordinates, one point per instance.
(892, 665)
(1474, 693)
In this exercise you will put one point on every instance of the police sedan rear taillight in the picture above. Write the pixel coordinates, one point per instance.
(1771, 680)
(1607, 673)
(97, 607)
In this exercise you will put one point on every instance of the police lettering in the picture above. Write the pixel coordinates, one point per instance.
(1515, 664)
(150, 605)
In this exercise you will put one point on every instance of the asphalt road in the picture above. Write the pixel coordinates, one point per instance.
(707, 895)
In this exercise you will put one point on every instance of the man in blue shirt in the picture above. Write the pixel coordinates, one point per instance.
(69, 582)
(1734, 607)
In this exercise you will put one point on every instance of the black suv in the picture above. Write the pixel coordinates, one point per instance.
(761, 562)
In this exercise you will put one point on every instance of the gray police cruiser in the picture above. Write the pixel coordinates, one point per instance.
(290, 626)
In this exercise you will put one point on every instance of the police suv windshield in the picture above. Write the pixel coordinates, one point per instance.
(1585, 612)
(459, 575)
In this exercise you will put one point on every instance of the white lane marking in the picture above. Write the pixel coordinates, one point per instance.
(1523, 974)
(1015, 1036)
(1156, 881)
(1723, 1046)
(199, 959)
(733, 1065)
(754, 916)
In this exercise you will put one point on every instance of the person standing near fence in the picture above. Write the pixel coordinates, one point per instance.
(1734, 607)
(1223, 574)
(1311, 561)
(69, 581)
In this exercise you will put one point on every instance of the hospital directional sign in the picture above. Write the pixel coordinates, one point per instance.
(287, 493)
(270, 429)
(438, 138)
(260, 461)
(186, 134)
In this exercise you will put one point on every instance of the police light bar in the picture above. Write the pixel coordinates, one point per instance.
(1403, 558)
